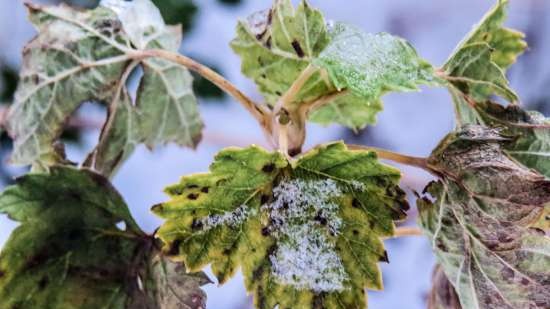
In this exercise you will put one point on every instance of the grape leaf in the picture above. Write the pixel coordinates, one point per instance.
(305, 233)
(529, 133)
(276, 46)
(443, 294)
(371, 64)
(81, 56)
(477, 66)
(69, 253)
(480, 222)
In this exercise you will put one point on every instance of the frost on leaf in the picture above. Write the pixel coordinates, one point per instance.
(478, 65)
(277, 45)
(69, 252)
(81, 56)
(480, 219)
(306, 234)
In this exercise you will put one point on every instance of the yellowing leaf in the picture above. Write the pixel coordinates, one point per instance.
(479, 218)
(81, 56)
(306, 233)
(71, 251)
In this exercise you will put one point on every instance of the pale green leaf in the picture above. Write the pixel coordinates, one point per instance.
(276, 46)
(306, 234)
(71, 251)
(81, 56)
(507, 44)
(479, 62)
(351, 111)
(479, 218)
(371, 64)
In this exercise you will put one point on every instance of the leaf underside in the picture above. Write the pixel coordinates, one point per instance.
(480, 219)
(69, 253)
(81, 56)
(305, 234)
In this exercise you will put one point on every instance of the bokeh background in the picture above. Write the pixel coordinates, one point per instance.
(411, 123)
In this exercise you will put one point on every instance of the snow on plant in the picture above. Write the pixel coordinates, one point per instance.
(306, 229)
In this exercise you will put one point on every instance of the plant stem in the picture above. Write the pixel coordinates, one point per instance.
(395, 157)
(260, 113)
(296, 86)
(322, 101)
(407, 231)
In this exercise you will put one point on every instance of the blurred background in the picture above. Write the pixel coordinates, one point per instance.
(412, 123)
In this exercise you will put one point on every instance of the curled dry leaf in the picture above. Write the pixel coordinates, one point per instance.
(480, 219)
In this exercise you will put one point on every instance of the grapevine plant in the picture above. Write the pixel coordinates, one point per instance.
(306, 228)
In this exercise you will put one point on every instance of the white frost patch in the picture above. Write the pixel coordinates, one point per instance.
(230, 218)
(141, 19)
(301, 215)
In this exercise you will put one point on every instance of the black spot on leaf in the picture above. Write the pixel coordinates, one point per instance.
(174, 247)
(298, 48)
(268, 168)
(192, 196)
(196, 225)
(205, 189)
(385, 258)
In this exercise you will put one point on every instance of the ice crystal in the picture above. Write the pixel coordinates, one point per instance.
(303, 215)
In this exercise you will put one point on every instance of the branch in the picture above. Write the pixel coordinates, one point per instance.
(395, 157)
(407, 231)
(260, 113)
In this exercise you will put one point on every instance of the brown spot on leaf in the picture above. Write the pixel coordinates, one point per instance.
(43, 283)
(298, 48)
(174, 248)
(268, 168)
(193, 196)
(384, 258)
(196, 225)
(205, 189)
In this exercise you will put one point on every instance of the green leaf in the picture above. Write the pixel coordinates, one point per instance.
(81, 56)
(371, 64)
(479, 218)
(477, 67)
(350, 110)
(306, 233)
(68, 251)
(507, 44)
(277, 45)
